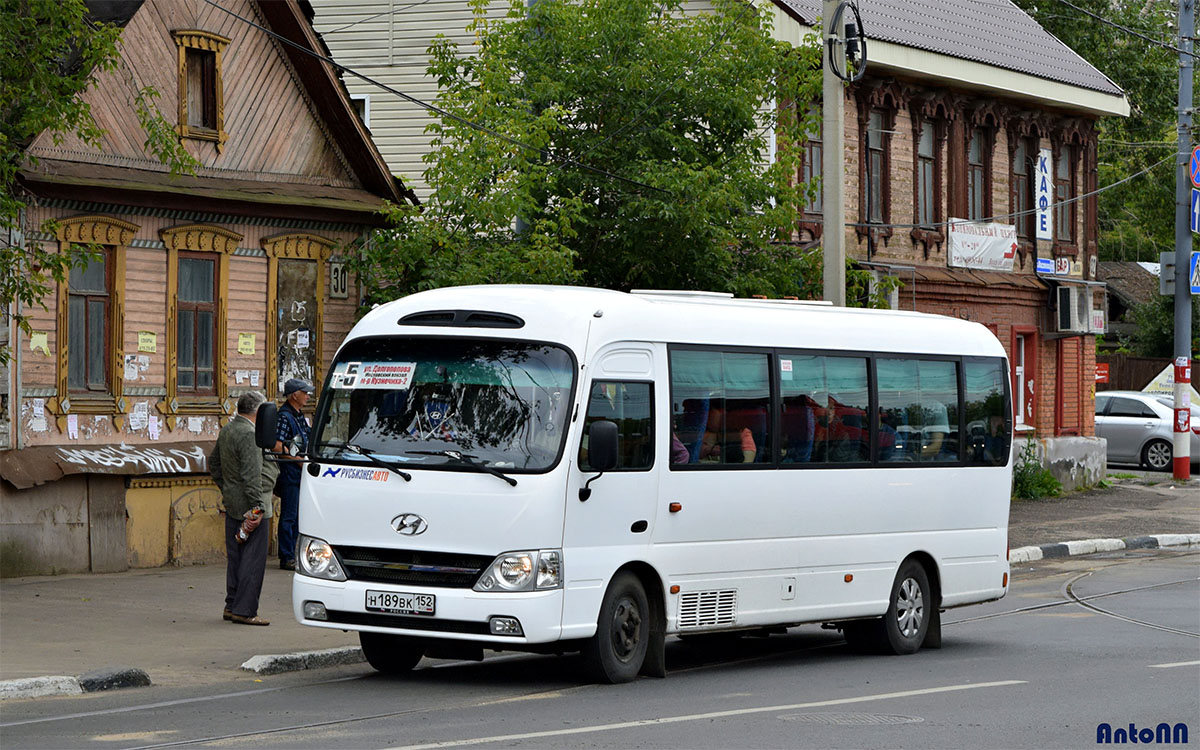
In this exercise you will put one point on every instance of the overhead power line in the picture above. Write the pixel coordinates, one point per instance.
(401, 9)
(434, 108)
(1127, 30)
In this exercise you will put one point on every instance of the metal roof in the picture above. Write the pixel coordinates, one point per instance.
(993, 32)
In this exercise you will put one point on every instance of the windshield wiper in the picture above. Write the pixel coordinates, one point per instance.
(468, 459)
(370, 456)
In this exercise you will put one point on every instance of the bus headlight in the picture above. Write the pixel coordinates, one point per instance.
(316, 559)
(523, 571)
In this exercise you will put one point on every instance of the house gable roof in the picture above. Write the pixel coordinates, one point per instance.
(292, 20)
(290, 123)
(1129, 282)
(992, 32)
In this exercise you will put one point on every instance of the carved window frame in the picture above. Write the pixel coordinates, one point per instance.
(887, 97)
(887, 119)
(198, 238)
(929, 235)
(293, 246)
(207, 42)
(1066, 189)
(1029, 128)
(812, 165)
(115, 235)
(982, 171)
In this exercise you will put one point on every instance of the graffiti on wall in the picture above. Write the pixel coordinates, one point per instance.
(127, 459)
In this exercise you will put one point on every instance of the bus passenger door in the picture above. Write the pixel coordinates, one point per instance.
(614, 524)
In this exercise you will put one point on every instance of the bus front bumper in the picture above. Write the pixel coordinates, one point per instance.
(459, 614)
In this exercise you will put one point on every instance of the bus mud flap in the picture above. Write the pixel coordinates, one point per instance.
(655, 664)
(933, 634)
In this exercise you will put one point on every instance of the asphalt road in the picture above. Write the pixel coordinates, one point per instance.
(1037, 669)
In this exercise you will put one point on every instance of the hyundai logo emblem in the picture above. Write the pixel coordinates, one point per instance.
(409, 524)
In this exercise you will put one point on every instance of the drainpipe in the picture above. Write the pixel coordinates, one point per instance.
(14, 397)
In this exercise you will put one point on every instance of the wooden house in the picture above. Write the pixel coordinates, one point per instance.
(207, 285)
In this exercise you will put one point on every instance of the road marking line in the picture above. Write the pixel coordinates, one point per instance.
(1175, 664)
(701, 717)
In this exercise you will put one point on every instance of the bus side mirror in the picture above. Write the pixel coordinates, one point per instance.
(602, 445)
(602, 453)
(264, 425)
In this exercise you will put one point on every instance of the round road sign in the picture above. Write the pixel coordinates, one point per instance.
(1194, 167)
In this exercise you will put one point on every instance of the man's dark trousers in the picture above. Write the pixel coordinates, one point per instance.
(245, 566)
(289, 515)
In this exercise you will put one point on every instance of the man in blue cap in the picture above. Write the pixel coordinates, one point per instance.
(291, 438)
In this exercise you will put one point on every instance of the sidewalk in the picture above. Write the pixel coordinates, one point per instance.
(167, 621)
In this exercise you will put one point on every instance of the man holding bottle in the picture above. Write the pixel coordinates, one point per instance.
(245, 481)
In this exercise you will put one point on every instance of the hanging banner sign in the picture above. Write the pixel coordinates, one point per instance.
(985, 246)
(1044, 195)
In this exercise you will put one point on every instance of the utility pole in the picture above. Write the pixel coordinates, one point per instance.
(1183, 246)
(833, 203)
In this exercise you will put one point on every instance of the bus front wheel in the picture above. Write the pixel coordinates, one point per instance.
(618, 649)
(391, 654)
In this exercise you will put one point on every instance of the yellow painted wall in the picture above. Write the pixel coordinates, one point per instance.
(147, 525)
(174, 521)
(197, 527)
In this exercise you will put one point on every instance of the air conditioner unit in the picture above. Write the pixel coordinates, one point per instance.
(1074, 309)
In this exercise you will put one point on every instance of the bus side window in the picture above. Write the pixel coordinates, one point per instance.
(629, 406)
(988, 425)
(918, 403)
(824, 409)
(720, 403)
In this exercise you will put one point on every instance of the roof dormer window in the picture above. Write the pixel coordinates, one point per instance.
(201, 104)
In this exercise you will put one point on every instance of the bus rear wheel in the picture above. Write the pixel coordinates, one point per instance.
(903, 628)
(618, 649)
(391, 654)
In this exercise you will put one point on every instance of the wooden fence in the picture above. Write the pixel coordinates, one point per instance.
(1126, 373)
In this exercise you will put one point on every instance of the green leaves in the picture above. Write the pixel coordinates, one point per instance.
(669, 113)
(50, 52)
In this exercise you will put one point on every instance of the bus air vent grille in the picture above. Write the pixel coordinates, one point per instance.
(700, 608)
(462, 319)
(412, 567)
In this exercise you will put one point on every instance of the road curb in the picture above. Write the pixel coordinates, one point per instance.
(1092, 546)
(108, 678)
(294, 662)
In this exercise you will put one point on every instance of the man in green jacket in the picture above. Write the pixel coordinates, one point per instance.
(245, 481)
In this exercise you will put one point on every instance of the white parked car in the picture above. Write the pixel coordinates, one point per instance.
(1138, 428)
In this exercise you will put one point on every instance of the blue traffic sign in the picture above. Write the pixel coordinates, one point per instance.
(1194, 274)
(1194, 167)
(1195, 210)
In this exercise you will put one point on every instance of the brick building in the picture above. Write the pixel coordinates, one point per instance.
(968, 111)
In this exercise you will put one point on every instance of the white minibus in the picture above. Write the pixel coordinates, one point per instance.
(562, 469)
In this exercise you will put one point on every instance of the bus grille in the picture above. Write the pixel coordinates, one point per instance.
(700, 608)
(412, 567)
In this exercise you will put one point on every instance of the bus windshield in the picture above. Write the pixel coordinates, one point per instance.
(428, 402)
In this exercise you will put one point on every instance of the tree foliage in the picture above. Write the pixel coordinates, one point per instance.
(671, 114)
(1154, 334)
(1137, 219)
(50, 52)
